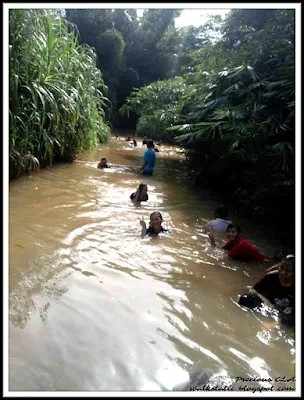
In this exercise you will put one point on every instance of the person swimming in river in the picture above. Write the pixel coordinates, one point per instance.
(219, 222)
(134, 143)
(155, 226)
(141, 193)
(275, 289)
(239, 248)
(103, 163)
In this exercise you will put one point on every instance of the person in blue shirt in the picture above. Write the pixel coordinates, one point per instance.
(149, 158)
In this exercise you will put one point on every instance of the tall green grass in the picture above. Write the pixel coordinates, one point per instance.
(56, 91)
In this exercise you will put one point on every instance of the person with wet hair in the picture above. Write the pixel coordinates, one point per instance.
(219, 221)
(276, 288)
(237, 247)
(155, 227)
(141, 193)
(103, 163)
(278, 281)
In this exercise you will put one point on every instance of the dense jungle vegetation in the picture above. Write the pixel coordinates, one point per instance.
(224, 90)
(56, 93)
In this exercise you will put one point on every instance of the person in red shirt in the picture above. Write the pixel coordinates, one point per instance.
(239, 248)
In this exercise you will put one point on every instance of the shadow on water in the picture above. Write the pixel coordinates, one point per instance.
(39, 282)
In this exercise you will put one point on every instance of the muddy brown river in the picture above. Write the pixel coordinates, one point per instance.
(93, 307)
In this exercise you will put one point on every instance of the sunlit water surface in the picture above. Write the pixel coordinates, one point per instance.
(95, 307)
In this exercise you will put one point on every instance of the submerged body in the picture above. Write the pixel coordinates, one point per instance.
(155, 227)
(237, 247)
(149, 160)
(141, 193)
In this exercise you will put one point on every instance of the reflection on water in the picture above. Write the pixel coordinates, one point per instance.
(95, 307)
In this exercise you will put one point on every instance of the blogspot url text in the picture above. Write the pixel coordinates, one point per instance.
(241, 388)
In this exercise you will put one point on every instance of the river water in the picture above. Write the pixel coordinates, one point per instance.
(93, 307)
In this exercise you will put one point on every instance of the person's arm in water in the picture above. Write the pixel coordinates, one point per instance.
(143, 227)
(143, 167)
(263, 298)
(211, 237)
(208, 227)
(137, 194)
(261, 289)
(213, 244)
(276, 266)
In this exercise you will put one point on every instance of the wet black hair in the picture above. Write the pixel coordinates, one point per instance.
(103, 158)
(150, 144)
(250, 300)
(235, 226)
(141, 185)
(221, 211)
(157, 213)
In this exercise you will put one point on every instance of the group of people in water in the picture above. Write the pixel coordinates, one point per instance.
(149, 157)
(145, 141)
(141, 194)
(156, 218)
(276, 288)
(236, 246)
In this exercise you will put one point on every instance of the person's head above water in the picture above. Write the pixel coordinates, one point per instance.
(150, 144)
(233, 231)
(156, 219)
(221, 211)
(103, 161)
(250, 300)
(143, 189)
